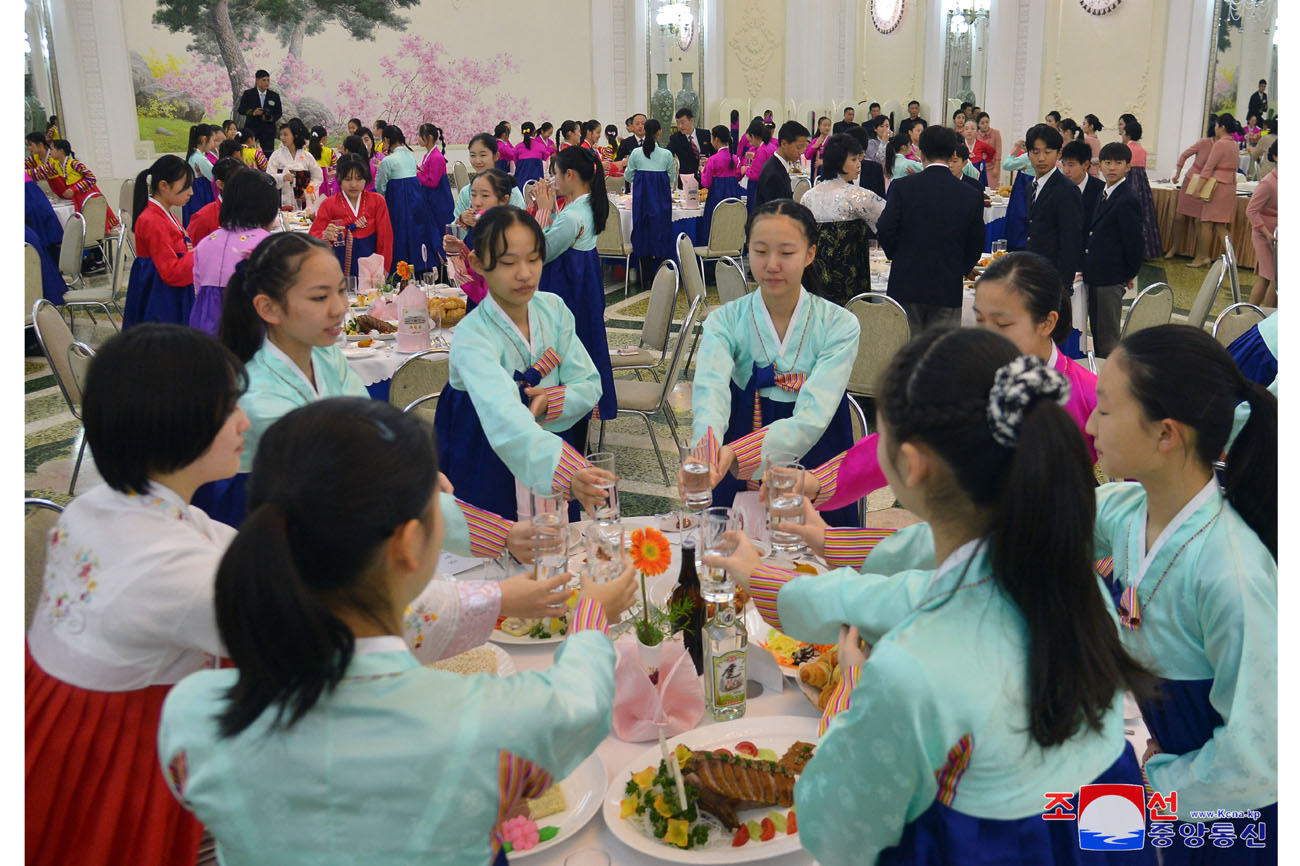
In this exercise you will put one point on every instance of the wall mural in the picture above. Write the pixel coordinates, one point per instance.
(366, 61)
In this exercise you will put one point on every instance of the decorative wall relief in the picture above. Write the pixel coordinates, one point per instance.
(754, 45)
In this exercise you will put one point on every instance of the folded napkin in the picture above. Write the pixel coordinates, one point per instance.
(642, 707)
(372, 271)
(384, 308)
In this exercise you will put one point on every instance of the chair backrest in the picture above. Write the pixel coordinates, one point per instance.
(1234, 321)
(461, 173)
(417, 376)
(884, 330)
(858, 423)
(692, 276)
(678, 361)
(610, 240)
(94, 210)
(33, 281)
(1153, 306)
(39, 518)
(55, 337)
(119, 254)
(74, 243)
(426, 407)
(1208, 292)
(126, 195)
(731, 280)
(79, 358)
(727, 231)
(528, 192)
(1230, 258)
(801, 188)
(614, 185)
(663, 303)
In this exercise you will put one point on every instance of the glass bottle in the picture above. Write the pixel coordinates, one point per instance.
(691, 625)
(724, 665)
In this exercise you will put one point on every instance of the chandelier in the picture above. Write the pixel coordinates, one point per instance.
(676, 19)
(1239, 10)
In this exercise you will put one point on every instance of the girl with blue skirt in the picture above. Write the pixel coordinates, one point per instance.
(436, 187)
(519, 379)
(1194, 577)
(721, 177)
(161, 285)
(992, 680)
(354, 219)
(196, 155)
(412, 221)
(530, 155)
(1256, 352)
(1018, 204)
(775, 361)
(573, 269)
(648, 170)
(505, 150)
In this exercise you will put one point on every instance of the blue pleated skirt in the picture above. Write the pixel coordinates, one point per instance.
(479, 476)
(838, 437)
(943, 836)
(526, 170)
(652, 215)
(361, 247)
(1018, 212)
(411, 220)
(576, 277)
(52, 285)
(203, 195)
(39, 215)
(441, 207)
(150, 299)
(720, 189)
(225, 500)
(1254, 358)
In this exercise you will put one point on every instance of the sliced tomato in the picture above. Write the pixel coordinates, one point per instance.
(791, 825)
(741, 837)
(769, 830)
(722, 752)
(745, 747)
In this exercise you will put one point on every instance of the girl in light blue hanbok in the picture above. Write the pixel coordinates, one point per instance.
(329, 743)
(482, 156)
(774, 362)
(397, 181)
(197, 157)
(650, 172)
(1195, 577)
(993, 680)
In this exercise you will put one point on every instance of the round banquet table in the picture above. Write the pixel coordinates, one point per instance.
(376, 371)
(63, 209)
(685, 219)
(615, 753)
(1166, 199)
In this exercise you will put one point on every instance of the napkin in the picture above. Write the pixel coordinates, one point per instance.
(372, 270)
(384, 308)
(641, 707)
(761, 667)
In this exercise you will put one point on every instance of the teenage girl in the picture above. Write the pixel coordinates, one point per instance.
(519, 378)
(763, 145)
(1195, 572)
(354, 220)
(375, 155)
(775, 361)
(609, 152)
(531, 154)
(813, 152)
(381, 143)
(248, 213)
(435, 187)
(505, 152)
(355, 126)
(546, 132)
(648, 169)
(161, 285)
(990, 680)
(490, 188)
(251, 151)
(356, 145)
(207, 218)
(71, 179)
(412, 222)
(570, 134)
(196, 156)
(720, 176)
(326, 157)
(327, 707)
(482, 156)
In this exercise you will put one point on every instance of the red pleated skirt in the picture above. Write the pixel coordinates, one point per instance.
(95, 793)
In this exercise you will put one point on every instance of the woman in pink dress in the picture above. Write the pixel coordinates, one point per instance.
(1092, 126)
(1220, 210)
(1189, 206)
(1130, 132)
(1262, 213)
(993, 138)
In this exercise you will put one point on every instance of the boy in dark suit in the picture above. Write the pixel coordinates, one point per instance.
(688, 144)
(1113, 253)
(1054, 228)
(774, 179)
(843, 125)
(961, 156)
(933, 230)
(1076, 160)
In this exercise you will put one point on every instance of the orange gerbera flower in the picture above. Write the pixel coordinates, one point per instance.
(405, 271)
(650, 551)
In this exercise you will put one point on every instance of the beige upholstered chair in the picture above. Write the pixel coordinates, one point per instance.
(55, 338)
(651, 351)
(726, 231)
(39, 518)
(418, 376)
(731, 280)
(610, 244)
(1236, 320)
(884, 330)
(1209, 290)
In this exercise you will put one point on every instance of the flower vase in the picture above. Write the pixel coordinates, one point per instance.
(661, 102)
(650, 657)
(688, 98)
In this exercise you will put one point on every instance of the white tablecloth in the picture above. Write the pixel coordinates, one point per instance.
(997, 212)
(385, 361)
(63, 209)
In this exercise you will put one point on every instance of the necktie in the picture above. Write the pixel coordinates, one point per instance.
(695, 145)
(1105, 194)
(1033, 189)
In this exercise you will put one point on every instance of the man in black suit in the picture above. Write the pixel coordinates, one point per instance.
(872, 176)
(961, 156)
(633, 141)
(261, 109)
(691, 146)
(843, 125)
(1114, 250)
(1076, 160)
(774, 179)
(1054, 228)
(933, 230)
(1258, 101)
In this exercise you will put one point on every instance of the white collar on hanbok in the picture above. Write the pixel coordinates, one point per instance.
(279, 354)
(1054, 357)
(533, 329)
(1148, 555)
(957, 558)
(781, 343)
(388, 643)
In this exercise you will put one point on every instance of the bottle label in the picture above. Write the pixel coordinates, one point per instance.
(729, 678)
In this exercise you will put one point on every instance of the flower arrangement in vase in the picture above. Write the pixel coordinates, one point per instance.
(651, 555)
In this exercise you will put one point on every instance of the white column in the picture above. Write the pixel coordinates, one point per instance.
(1187, 69)
(603, 60)
(715, 59)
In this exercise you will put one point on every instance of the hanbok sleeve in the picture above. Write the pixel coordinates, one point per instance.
(868, 206)
(580, 387)
(711, 388)
(451, 616)
(177, 611)
(1015, 163)
(471, 531)
(315, 171)
(433, 169)
(561, 234)
(462, 202)
(87, 182)
(812, 608)
(324, 215)
(176, 270)
(907, 549)
(1115, 503)
(201, 166)
(1235, 607)
(851, 475)
(706, 174)
(632, 164)
(381, 176)
(383, 228)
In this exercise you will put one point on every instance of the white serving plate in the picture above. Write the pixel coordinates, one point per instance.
(582, 791)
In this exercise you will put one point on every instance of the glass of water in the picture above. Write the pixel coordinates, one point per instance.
(784, 483)
(715, 584)
(608, 510)
(604, 543)
(550, 529)
(698, 493)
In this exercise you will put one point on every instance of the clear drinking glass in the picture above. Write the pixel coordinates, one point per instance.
(699, 495)
(604, 543)
(550, 525)
(455, 230)
(609, 510)
(715, 584)
(784, 483)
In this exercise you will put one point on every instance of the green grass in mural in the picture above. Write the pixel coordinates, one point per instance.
(174, 143)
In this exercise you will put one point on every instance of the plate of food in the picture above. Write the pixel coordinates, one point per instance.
(514, 631)
(360, 327)
(723, 821)
(819, 677)
(562, 811)
(676, 521)
(485, 659)
(357, 351)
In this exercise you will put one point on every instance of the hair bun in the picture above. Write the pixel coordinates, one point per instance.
(1016, 387)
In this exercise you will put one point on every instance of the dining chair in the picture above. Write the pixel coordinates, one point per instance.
(610, 244)
(801, 188)
(55, 338)
(883, 330)
(426, 407)
(1153, 306)
(33, 282)
(651, 398)
(858, 420)
(71, 250)
(614, 185)
(461, 174)
(1235, 320)
(651, 353)
(419, 375)
(1208, 292)
(101, 297)
(730, 279)
(39, 517)
(726, 231)
(1230, 256)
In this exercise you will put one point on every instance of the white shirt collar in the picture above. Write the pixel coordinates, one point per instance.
(1083, 184)
(533, 328)
(276, 352)
(1193, 505)
(782, 343)
(788, 165)
(1111, 188)
(1055, 356)
(388, 643)
(1042, 181)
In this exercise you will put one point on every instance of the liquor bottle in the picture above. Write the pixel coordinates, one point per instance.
(688, 589)
(724, 665)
